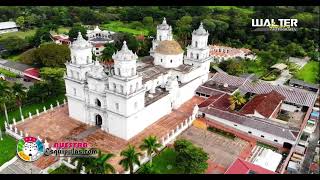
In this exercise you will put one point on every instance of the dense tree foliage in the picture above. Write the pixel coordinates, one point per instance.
(191, 159)
(51, 55)
(13, 45)
(74, 31)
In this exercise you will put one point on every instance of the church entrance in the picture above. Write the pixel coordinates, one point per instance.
(98, 120)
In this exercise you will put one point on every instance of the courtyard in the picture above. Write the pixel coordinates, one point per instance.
(56, 126)
(222, 151)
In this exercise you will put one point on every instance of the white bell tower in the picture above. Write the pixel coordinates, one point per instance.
(198, 51)
(75, 78)
(164, 32)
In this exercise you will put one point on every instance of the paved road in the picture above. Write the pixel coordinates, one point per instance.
(20, 80)
(310, 152)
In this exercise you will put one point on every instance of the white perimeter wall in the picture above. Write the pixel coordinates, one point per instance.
(254, 132)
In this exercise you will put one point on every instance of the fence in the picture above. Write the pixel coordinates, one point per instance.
(12, 130)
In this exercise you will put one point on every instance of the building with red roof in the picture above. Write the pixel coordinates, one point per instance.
(240, 166)
(264, 105)
(31, 74)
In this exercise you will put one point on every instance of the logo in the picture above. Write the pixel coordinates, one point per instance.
(30, 149)
(271, 25)
(71, 149)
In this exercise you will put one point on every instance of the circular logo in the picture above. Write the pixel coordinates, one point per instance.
(30, 149)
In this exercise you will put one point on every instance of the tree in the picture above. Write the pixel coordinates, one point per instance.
(236, 100)
(108, 51)
(28, 57)
(54, 79)
(191, 159)
(5, 96)
(88, 163)
(19, 91)
(102, 166)
(73, 33)
(42, 35)
(52, 55)
(14, 44)
(38, 92)
(131, 157)
(20, 22)
(148, 21)
(183, 29)
(151, 145)
(148, 169)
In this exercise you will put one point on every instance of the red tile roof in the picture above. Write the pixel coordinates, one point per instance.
(222, 103)
(265, 104)
(243, 167)
(32, 72)
(210, 100)
(98, 45)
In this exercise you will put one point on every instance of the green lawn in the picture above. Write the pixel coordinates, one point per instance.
(7, 73)
(63, 30)
(7, 148)
(309, 72)
(21, 34)
(164, 162)
(30, 108)
(254, 66)
(119, 26)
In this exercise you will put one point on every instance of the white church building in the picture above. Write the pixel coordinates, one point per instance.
(138, 92)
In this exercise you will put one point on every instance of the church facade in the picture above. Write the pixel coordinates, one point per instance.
(136, 93)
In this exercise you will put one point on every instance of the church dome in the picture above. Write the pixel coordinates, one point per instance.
(124, 54)
(80, 43)
(200, 31)
(164, 25)
(169, 48)
(97, 29)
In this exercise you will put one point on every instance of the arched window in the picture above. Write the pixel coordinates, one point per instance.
(197, 56)
(161, 60)
(171, 61)
(196, 43)
(131, 88)
(191, 54)
(114, 86)
(160, 38)
(98, 120)
(98, 103)
(119, 71)
(121, 88)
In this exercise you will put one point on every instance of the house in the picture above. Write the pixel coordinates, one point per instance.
(222, 53)
(268, 159)
(240, 166)
(303, 85)
(61, 39)
(264, 105)
(98, 38)
(259, 117)
(31, 74)
(6, 27)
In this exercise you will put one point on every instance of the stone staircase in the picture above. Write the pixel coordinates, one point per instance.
(21, 167)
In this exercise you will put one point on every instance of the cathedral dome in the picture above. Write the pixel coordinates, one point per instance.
(169, 48)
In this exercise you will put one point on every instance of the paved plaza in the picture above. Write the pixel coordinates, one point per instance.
(56, 126)
(222, 150)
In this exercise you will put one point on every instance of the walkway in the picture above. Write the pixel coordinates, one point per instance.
(21, 167)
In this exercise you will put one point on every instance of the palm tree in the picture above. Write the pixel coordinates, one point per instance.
(88, 163)
(19, 91)
(151, 145)
(236, 100)
(5, 95)
(131, 157)
(102, 166)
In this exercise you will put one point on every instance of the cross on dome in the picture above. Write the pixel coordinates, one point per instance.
(164, 25)
(124, 46)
